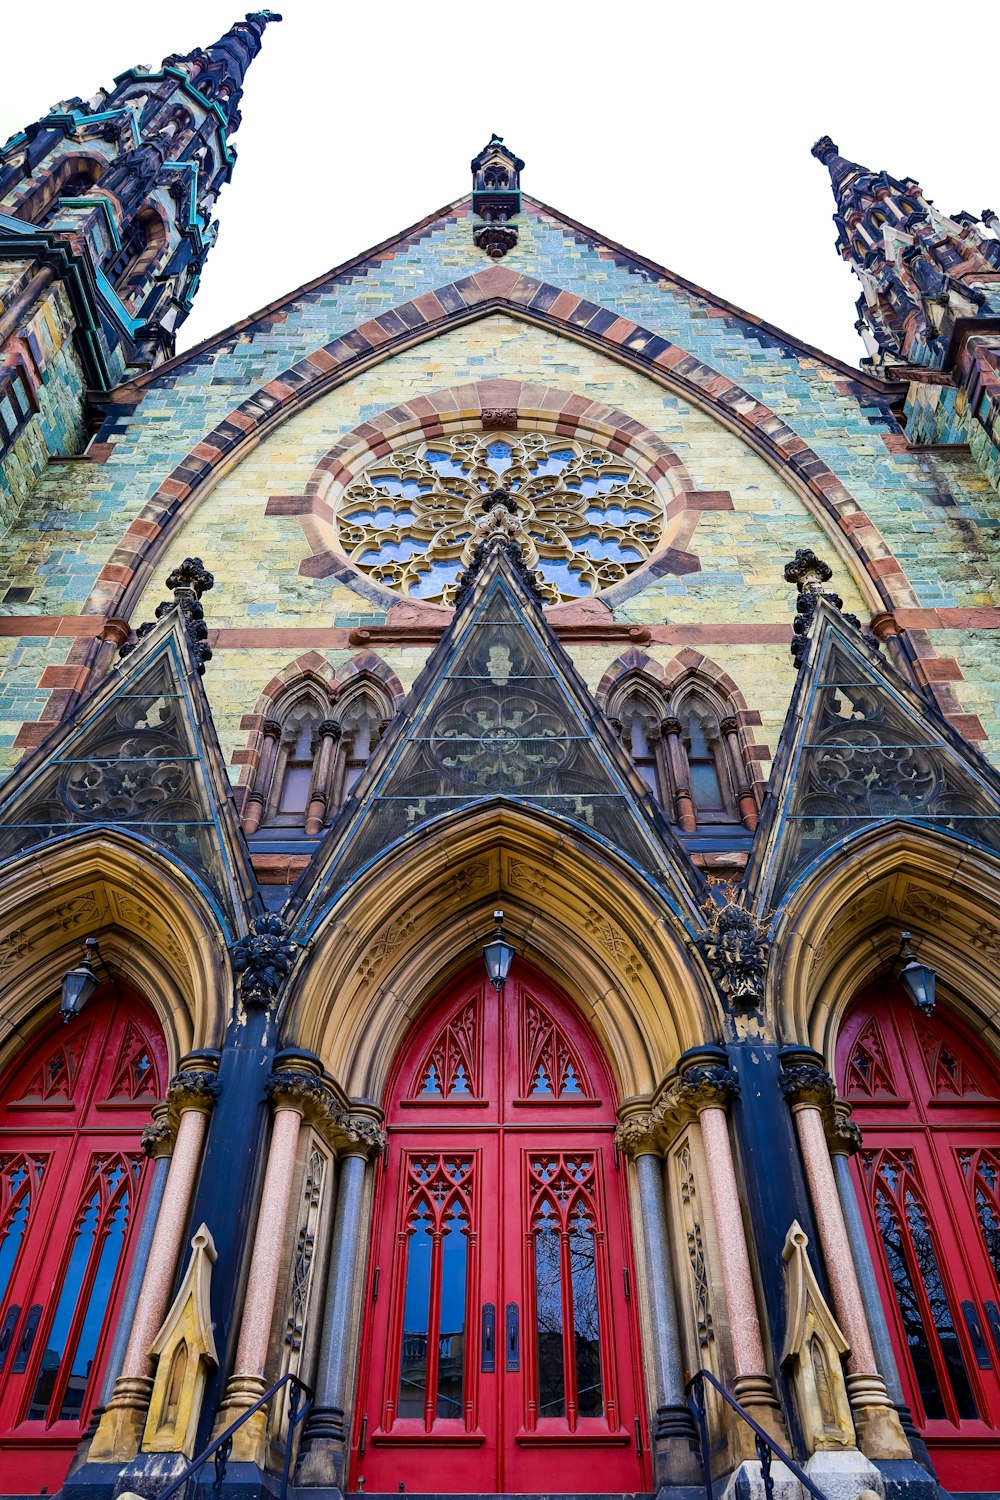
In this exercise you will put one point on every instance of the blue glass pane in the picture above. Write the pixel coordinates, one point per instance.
(416, 1307)
(97, 1309)
(14, 1229)
(586, 1320)
(451, 1343)
(66, 1307)
(549, 1316)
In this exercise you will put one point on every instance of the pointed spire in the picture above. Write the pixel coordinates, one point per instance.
(913, 262)
(218, 72)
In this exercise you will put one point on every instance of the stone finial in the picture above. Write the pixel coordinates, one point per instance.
(183, 1349)
(824, 149)
(190, 577)
(188, 581)
(496, 197)
(814, 1346)
(809, 572)
(263, 960)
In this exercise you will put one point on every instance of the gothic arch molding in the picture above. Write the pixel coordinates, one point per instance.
(493, 290)
(841, 927)
(156, 928)
(384, 949)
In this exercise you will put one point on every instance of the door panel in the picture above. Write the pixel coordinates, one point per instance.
(498, 1335)
(927, 1101)
(72, 1178)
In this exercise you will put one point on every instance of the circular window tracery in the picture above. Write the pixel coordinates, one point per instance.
(585, 518)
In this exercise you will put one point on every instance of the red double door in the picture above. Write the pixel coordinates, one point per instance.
(927, 1097)
(72, 1178)
(501, 1345)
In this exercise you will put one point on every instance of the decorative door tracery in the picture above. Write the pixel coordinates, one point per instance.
(498, 1324)
(71, 1183)
(928, 1102)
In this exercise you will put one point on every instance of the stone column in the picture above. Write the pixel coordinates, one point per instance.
(707, 1090)
(319, 789)
(674, 1435)
(844, 1139)
(810, 1091)
(323, 1449)
(680, 775)
(886, 631)
(293, 1086)
(744, 796)
(190, 1097)
(256, 802)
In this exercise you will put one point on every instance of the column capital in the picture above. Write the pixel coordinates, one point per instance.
(329, 729)
(271, 729)
(671, 726)
(843, 1135)
(804, 1080)
(706, 1080)
(730, 724)
(637, 1132)
(297, 1084)
(159, 1135)
(195, 1086)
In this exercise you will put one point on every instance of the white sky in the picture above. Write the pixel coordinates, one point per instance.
(682, 131)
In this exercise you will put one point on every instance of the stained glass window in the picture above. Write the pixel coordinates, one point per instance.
(585, 518)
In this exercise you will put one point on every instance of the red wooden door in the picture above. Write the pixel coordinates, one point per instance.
(928, 1101)
(500, 1345)
(71, 1180)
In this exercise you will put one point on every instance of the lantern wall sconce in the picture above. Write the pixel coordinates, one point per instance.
(917, 978)
(498, 955)
(80, 983)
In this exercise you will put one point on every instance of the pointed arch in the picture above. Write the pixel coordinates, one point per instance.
(384, 948)
(684, 720)
(840, 927)
(289, 777)
(157, 929)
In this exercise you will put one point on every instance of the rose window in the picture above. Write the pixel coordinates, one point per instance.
(584, 518)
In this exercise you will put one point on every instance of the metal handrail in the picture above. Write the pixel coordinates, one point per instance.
(221, 1447)
(763, 1442)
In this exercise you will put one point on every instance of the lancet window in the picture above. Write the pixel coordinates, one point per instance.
(686, 747)
(314, 751)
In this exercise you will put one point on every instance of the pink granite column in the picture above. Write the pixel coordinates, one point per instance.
(190, 1097)
(707, 1090)
(293, 1090)
(810, 1091)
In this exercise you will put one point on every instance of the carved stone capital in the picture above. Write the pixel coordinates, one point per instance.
(302, 1089)
(329, 729)
(636, 1135)
(671, 727)
(843, 1134)
(730, 724)
(805, 1083)
(710, 1087)
(883, 625)
(159, 1136)
(271, 728)
(192, 1088)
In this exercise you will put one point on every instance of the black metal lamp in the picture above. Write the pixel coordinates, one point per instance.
(80, 983)
(499, 955)
(917, 978)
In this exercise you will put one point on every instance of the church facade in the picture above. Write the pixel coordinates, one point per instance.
(499, 849)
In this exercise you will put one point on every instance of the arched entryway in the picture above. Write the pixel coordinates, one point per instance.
(927, 1098)
(501, 1344)
(72, 1109)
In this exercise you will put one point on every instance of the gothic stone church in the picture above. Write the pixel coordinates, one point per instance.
(499, 852)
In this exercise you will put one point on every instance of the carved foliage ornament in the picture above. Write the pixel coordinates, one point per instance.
(314, 1101)
(735, 949)
(697, 1088)
(263, 960)
(808, 572)
(189, 581)
(582, 518)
